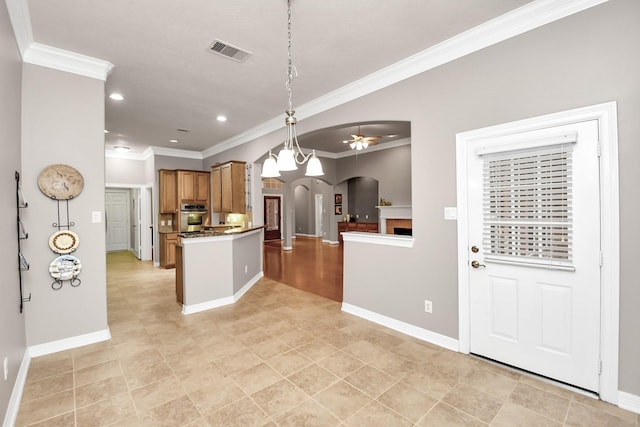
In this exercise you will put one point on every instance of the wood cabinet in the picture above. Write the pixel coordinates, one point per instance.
(193, 187)
(228, 187)
(363, 227)
(168, 191)
(168, 242)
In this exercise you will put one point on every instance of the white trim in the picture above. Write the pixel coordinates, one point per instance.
(518, 21)
(405, 328)
(629, 401)
(176, 152)
(21, 23)
(16, 394)
(220, 302)
(370, 149)
(67, 61)
(69, 343)
(378, 239)
(606, 114)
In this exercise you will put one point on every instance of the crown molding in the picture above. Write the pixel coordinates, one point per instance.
(21, 23)
(64, 60)
(176, 152)
(373, 148)
(511, 24)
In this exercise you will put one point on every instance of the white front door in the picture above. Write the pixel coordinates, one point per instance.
(534, 251)
(117, 207)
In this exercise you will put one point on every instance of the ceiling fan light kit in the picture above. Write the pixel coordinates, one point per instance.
(291, 155)
(359, 142)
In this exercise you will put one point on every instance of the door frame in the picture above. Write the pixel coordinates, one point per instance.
(146, 216)
(606, 115)
(264, 212)
(127, 194)
(318, 209)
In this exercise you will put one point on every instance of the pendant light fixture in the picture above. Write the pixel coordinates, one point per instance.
(290, 156)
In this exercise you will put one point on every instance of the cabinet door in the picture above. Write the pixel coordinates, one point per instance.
(216, 189)
(168, 192)
(238, 195)
(226, 203)
(202, 187)
(187, 183)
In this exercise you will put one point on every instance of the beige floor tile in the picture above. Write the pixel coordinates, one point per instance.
(177, 412)
(444, 415)
(47, 366)
(146, 374)
(408, 401)
(473, 402)
(190, 357)
(289, 362)
(370, 380)
(511, 415)
(64, 420)
(490, 383)
(312, 379)
(377, 415)
(341, 363)
(157, 393)
(605, 407)
(256, 378)
(215, 396)
(238, 362)
(342, 399)
(584, 416)
(48, 386)
(544, 403)
(316, 349)
(242, 413)
(278, 398)
(105, 412)
(365, 351)
(44, 408)
(308, 414)
(197, 377)
(98, 372)
(94, 357)
(100, 390)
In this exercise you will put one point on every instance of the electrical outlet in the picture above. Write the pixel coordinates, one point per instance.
(161, 223)
(6, 368)
(170, 222)
(428, 306)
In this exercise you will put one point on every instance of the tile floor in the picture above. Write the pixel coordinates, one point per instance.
(278, 357)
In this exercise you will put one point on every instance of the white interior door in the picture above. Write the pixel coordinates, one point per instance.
(534, 252)
(117, 217)
(136, 219)
(318, 215)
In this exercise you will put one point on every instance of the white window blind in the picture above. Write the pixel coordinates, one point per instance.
(527, 207)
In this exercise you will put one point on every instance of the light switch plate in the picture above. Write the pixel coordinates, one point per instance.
(96, 217)
(451, 213)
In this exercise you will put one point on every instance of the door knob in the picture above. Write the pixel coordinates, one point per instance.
(474, 249)
(476, 264)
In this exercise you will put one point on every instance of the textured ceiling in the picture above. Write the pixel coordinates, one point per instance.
(170, 81)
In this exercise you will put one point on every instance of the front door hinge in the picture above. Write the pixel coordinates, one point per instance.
(599, 367)
(601, 258)
(599, 147)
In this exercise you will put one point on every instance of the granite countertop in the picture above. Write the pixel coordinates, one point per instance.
(218, 230)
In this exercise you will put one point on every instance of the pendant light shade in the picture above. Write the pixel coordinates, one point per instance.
(270, 168)
(286, 161)
(314, 167)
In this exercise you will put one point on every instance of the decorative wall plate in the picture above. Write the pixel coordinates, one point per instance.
(60, 182)
(65, 267)
(64, 242)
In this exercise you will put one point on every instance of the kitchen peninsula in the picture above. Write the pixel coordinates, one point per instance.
(217, 266)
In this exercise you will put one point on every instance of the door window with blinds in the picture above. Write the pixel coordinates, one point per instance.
(527, 213)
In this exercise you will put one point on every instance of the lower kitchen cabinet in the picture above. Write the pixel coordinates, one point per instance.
(168, 242)
(364, 227)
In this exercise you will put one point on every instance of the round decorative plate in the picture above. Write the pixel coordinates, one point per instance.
(60, 182)
(65, 267)
(64, 242)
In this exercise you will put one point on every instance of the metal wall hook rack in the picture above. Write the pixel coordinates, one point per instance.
(23, 264)
(59, 224)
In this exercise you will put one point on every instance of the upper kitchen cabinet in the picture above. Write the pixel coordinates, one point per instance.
(168, 191)
(228, 187)
(193, 187)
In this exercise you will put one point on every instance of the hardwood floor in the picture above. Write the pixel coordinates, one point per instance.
(311, 266)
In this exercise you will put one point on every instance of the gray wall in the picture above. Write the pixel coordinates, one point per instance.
(12, 323)
(303, 211)
(588, 58)
(126, 171)
(363, 198)
(63, 122)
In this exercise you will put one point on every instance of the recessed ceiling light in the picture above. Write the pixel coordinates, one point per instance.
(121, 148)
(175, 141)
(106, 131)
(116, 96)
(221, 118)
(391, 135)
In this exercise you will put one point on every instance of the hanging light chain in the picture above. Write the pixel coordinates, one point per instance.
(290, 67)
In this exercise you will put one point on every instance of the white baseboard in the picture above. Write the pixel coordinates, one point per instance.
(16, 395)
(629, 401)
(331, 242)
(405, 328)
(69, 343)
(220, 302)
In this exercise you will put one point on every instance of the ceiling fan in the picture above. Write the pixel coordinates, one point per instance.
(360, 142)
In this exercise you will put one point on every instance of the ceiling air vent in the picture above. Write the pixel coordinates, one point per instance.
(229, 51)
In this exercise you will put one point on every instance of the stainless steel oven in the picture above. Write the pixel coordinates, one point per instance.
(192, 217)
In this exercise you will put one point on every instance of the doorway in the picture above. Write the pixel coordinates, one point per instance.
(533, 291)
(272, 217)
(117, 219)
